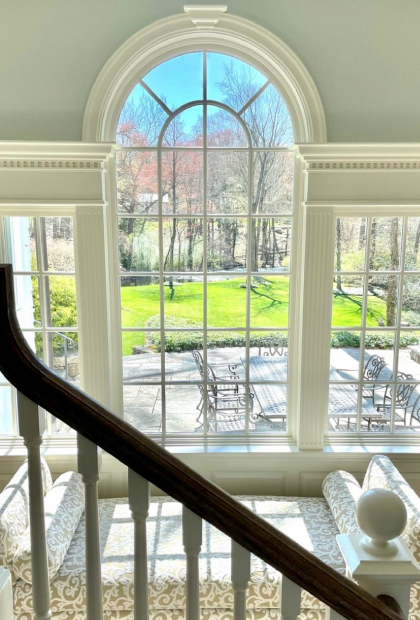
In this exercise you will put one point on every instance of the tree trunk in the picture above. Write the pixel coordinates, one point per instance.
(392, 294)
(338, 252)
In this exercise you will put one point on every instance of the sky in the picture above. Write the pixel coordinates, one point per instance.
(180, 80)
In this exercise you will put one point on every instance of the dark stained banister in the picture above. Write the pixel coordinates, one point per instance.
(38, 383)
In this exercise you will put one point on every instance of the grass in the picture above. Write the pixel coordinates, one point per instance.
(227, 304)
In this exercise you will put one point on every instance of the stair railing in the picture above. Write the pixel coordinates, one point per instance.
(38, 386)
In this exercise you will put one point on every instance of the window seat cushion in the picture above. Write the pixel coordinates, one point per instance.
(14, 511)
(307, 520)
(63, 506)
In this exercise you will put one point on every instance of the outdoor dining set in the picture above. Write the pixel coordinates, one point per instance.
(227, 397)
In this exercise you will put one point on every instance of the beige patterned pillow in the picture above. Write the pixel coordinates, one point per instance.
(342, 491)
(63, 507)
(382, 474)
(14, 510)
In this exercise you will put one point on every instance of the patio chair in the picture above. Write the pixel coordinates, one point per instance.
(271, 348)
(415, 411)
(224, 371)
(226, 408)
(403, 397)
(373, 368)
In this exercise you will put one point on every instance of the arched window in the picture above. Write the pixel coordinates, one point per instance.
(205, 212)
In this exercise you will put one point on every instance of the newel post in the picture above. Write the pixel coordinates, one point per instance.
(379, 560)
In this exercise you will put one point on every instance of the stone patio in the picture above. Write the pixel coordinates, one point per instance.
(143, 403)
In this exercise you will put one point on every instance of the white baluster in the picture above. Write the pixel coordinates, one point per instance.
(241, 574)
(6, 595)
(31, 428)
(139, 500)
(89, 464)
(192, 529)
(290, 599)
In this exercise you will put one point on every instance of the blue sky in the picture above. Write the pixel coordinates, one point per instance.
(180, 80)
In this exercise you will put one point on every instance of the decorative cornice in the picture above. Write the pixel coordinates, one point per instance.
(347, 157)
(55, 155)
(364, 165)
(205, 16)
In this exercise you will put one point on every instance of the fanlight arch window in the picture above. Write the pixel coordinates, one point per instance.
(205, 211)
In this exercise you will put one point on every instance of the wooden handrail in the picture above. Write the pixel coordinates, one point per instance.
(392, 604)
(37, 382)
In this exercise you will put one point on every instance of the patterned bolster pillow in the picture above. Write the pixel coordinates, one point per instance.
(383, 474)
(342, 491)
(14, 510)
(63, 506)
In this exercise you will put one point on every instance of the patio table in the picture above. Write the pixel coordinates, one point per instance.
(272, 397)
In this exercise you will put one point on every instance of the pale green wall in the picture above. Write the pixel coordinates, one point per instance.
(364, 56)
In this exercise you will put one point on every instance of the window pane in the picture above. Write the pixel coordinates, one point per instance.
(182, 182)
(348, 302)
(182, 244)
(66, 355)
(226, 302)
(350, 244)
(61, 291)
(143, 407)
(27, 301)
(178, 80)
(139, 244)
(231, 80)
(223, 129)
(270, 301)
(140, 301)
(385, 244)
(137, 182)
(141, 119)
(185, 129)
(382, 301)
(137, 343)
(271, 244)
(268, 120)
(411, 301)
(272, 182)
(57, 235)
(227, 178)
(183, 303)
(182, 409)
(226, 244)
(412, 259)
(20, 243)
(345, 356)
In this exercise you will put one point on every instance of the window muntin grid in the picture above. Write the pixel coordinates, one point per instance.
(377, 270)
(237, 213)
(41, 251)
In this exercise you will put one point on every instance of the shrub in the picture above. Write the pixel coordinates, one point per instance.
(373, 340)
(189, 340)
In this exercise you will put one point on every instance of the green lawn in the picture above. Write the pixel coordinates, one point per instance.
(226, 306)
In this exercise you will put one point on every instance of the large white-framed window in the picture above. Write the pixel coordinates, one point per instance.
(205, 212)
(374, 364)
(41, 248)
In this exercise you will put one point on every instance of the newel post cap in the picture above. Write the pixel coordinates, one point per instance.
(382, 516)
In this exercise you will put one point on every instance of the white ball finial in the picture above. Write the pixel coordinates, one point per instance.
(382, 516)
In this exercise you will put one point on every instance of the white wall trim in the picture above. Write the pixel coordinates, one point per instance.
(177, 34)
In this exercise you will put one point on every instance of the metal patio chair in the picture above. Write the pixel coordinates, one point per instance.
(403, 397)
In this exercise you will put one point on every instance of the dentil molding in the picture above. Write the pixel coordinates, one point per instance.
(55, 155)
(362, 156)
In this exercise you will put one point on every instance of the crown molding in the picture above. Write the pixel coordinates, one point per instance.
(54, 155)
(205, 16)
(362, 156)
